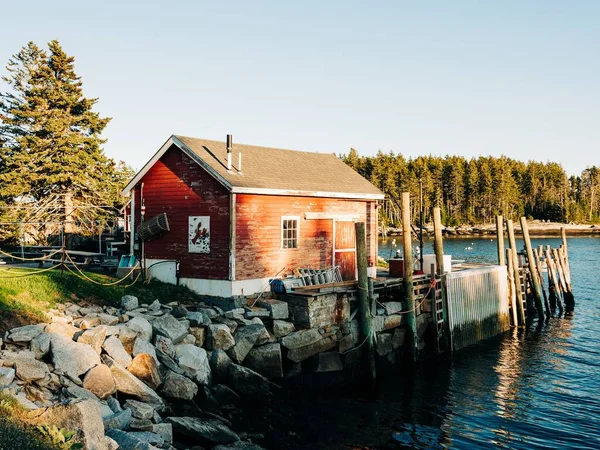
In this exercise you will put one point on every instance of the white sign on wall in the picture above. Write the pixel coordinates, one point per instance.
(199, 234)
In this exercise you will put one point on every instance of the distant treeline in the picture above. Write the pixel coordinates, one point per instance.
(475, 190)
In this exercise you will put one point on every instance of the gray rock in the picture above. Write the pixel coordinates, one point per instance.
(256, 312)
(7, 375)
(198, 319)
(72, 358)
(128, 383)
(169, 363)
(392, 307)
(118, 421)
(143, 346)
(9, 358)
(302, 353)
(282, 328)
(26, 333)
(108, 319)
(225, 395)
(142, 327)
(141, 424)
(154, 306)
(245, 338)
(207, 432)
(94, 338)
(165, 345)
(384, 344)
(140, 410)
(194, 362)
(211, 313)
(89, 322)
(74, 391)
(232, 324)
(219, 337)
(63, 329)
(128, 442)
(149, 437)
(111, 444)
(346, 343)
(128, 303)
(219, 363)
(100, 382)
(40, 345)
(179, 311)
(178, 387)
(114, 405)
(277, 309)
(170, 327)
(189, 339)
(114, 348)
(234, 313)
(266, 360)
(249, 383)
(301, 338)
(83, 417)
(392, 321)
(165, 430)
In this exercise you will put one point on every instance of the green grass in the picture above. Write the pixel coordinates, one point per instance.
(25, 299)
(15, 432)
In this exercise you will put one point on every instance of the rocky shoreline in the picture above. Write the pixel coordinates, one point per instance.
(169, 376)
(536, 228)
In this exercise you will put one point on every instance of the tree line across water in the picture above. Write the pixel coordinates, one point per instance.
(474, 191)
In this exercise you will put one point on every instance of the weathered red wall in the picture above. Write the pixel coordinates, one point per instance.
(258, 237)
(181, 188)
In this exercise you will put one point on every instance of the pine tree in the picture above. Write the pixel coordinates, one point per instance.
(51, 153)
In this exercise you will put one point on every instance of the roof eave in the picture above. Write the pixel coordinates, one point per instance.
(299, 193)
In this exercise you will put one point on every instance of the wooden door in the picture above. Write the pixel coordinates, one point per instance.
(344, 249)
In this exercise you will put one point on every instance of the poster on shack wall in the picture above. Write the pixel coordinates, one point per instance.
(199, 234)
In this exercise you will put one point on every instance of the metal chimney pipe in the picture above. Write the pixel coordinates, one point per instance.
(229, 146)
(240, 162)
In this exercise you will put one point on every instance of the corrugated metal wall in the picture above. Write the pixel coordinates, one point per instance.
(477, 302)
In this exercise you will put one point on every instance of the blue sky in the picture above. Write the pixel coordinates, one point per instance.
(519, 78)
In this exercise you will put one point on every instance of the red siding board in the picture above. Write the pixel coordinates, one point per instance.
(258, 238)
(178, 186)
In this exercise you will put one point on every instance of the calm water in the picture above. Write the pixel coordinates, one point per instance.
(528, 389)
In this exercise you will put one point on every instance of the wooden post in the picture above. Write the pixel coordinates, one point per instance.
(438, 243)
(409, 293)
(553, 281)
(512, 297)
(569, 298)
(62, 255)
(563, 233)
(533, 270)
(364, 307)
(500, 239)
(517, 275)
(540, 276)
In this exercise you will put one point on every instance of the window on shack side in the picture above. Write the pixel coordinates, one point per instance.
(289, 231)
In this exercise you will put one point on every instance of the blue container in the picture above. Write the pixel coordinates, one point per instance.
(277, 286)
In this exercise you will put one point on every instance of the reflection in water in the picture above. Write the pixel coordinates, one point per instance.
(527, 389)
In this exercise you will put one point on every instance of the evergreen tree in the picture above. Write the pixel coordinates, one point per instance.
(52, 160)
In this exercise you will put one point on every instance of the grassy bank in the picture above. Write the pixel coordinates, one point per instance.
(26, 294)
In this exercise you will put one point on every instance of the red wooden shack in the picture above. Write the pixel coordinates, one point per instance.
(239, 215)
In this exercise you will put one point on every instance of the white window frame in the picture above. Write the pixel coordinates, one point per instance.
(297, 219)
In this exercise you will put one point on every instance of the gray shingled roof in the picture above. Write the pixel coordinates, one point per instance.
(278, 169)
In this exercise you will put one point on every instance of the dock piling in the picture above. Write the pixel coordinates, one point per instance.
(500, 239)
(512, 297)
(517, 275)
(537, 293)
(362, 296)
(409, 293)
